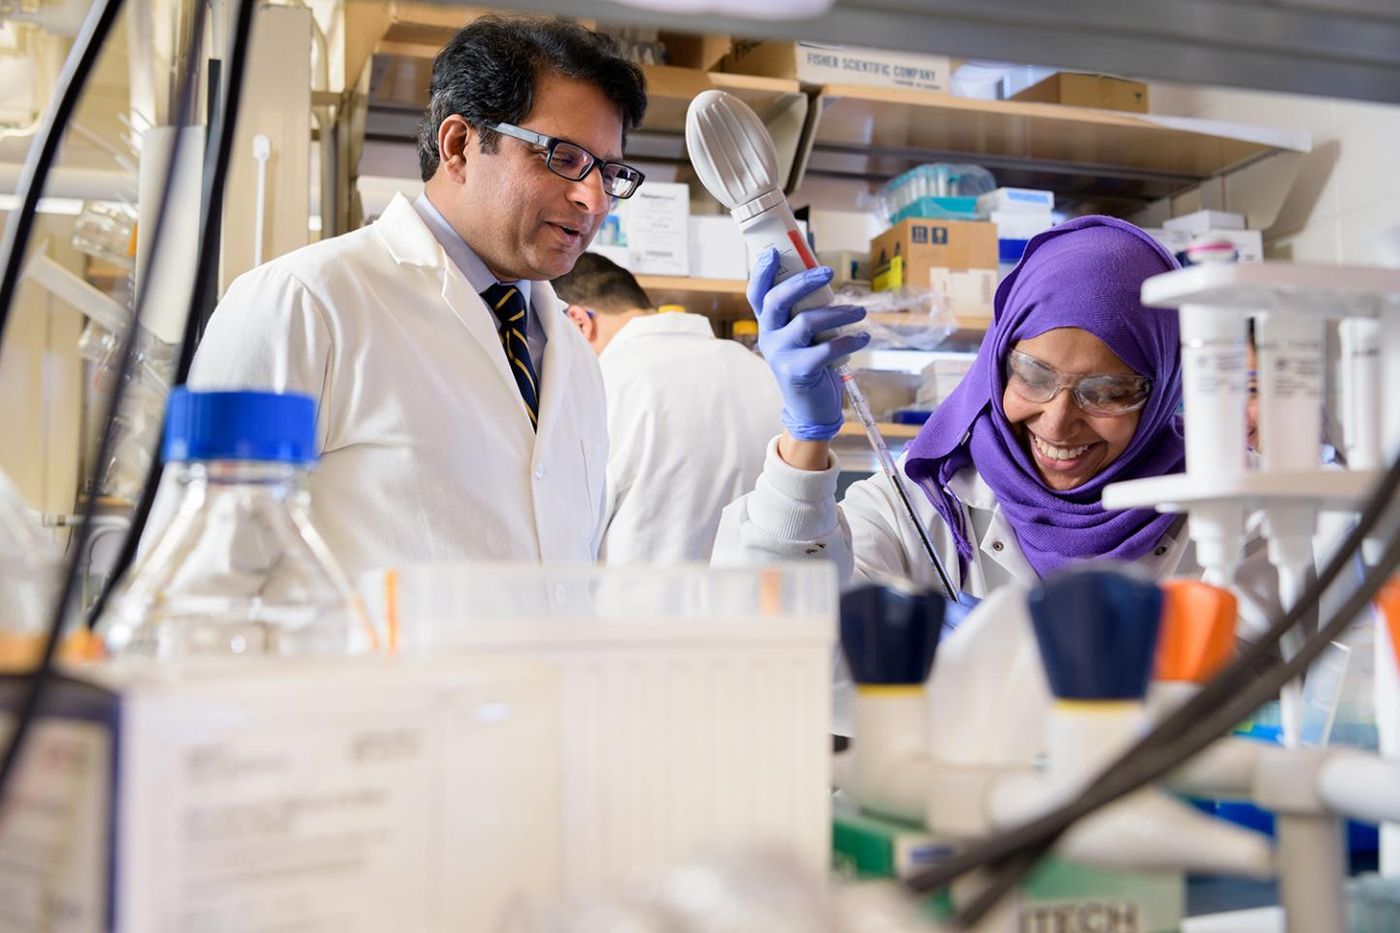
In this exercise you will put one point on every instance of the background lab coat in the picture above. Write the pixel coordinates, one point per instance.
(689, 416)
(427, 451)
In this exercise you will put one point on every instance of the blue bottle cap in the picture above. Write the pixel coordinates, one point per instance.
(888, 635)
(1097, 631)
(241, 425)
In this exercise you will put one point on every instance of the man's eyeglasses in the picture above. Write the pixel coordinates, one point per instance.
(572, 161)
(1098, 394)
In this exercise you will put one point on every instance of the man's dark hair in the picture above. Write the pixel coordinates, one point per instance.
(489, 70)
(599, 283)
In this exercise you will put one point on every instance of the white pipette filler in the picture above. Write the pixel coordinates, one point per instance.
(733, 154)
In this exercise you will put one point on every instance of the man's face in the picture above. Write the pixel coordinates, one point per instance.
(524, 221)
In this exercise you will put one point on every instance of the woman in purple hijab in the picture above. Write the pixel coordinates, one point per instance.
(1076, 386)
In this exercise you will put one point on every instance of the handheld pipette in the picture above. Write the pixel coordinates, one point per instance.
(733, 154)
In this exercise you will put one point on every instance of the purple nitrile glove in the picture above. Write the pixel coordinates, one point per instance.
(811, 392)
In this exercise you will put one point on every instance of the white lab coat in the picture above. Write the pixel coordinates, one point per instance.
(426, 449)
(689, 418)
(792, 515)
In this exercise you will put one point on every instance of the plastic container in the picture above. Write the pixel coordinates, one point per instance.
(239, 570)
(696, 700)
(927, 188)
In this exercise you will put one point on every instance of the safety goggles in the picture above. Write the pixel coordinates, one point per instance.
(1097, 394)
(573, 162)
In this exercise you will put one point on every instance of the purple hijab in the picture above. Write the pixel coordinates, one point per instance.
(1085, 273)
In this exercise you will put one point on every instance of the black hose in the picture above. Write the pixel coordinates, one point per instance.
(219, 155)
(1213, 711)
(38, 679)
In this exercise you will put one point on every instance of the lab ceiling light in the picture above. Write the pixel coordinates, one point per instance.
(743, 9)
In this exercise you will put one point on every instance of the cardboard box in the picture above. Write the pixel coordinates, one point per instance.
(717, 249)
(906, 253)
(685, 50)
(1198, 222)
(1084, 90)
(813, 63)
(347, 795)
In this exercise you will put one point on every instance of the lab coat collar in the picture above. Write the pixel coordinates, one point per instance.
(670, 324)
(411, 243)
(478, 276)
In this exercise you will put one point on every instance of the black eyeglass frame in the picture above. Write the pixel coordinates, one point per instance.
(550, 144)
(1072, 382)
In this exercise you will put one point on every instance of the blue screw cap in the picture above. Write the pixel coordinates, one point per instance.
(1097, 630)
(240, 425)
(889, 636)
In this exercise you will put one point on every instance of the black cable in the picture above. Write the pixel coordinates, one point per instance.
(1008, 849)
(39, 678)
(1162, 759)
(76, 69)
(218, 157)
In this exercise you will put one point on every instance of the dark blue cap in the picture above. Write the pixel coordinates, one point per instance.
(244, 425)
(1097, 631)
(888, 635)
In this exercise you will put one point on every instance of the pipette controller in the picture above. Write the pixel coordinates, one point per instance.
(734, 157)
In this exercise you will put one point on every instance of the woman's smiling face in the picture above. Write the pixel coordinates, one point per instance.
(1068, 445)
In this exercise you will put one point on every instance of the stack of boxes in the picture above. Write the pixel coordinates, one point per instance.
(1019, 214)
(1178, 233)
(956, 259)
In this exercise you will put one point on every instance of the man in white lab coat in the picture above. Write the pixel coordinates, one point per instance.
(460, 416)
(689, 416)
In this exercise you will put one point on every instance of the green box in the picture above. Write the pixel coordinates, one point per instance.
(1057, 897)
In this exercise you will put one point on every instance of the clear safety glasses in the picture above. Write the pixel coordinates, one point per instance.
(1097, 394)
(573, 162)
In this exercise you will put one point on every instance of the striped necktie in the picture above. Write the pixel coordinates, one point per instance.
(506, 302)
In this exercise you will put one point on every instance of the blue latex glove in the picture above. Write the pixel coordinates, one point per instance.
(811, 391)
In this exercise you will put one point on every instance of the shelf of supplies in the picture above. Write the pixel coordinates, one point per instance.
(1082, 153)
(726, 298)
(890, 430)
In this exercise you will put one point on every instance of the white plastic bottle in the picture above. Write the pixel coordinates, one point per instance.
(28, 577)
(239, 570)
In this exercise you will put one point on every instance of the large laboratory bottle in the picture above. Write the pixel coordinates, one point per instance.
(239, 570)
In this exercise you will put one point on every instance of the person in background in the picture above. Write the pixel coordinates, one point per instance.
(689, 415)
(459, 415)
(1076, 386)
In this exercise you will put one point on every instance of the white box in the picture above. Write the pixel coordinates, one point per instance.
(1021, 225)
(653, 225)
(697, 699)
(818, 63)
(717, 248)
(941, 377)
(1016, 199)
(271, 794)
(1249, 244)
(968, 292)
(1174, 241)
(1199, 222)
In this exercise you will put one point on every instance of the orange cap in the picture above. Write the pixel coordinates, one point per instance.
(1388, 602)
(1197, 632)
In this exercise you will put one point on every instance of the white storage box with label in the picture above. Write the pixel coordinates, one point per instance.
(816, 63)
(697, 700)
(1032, 200)
(655, 228)
(260, 795)
(1021, 225)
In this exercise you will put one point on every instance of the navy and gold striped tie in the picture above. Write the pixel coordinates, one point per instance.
(509, 306)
